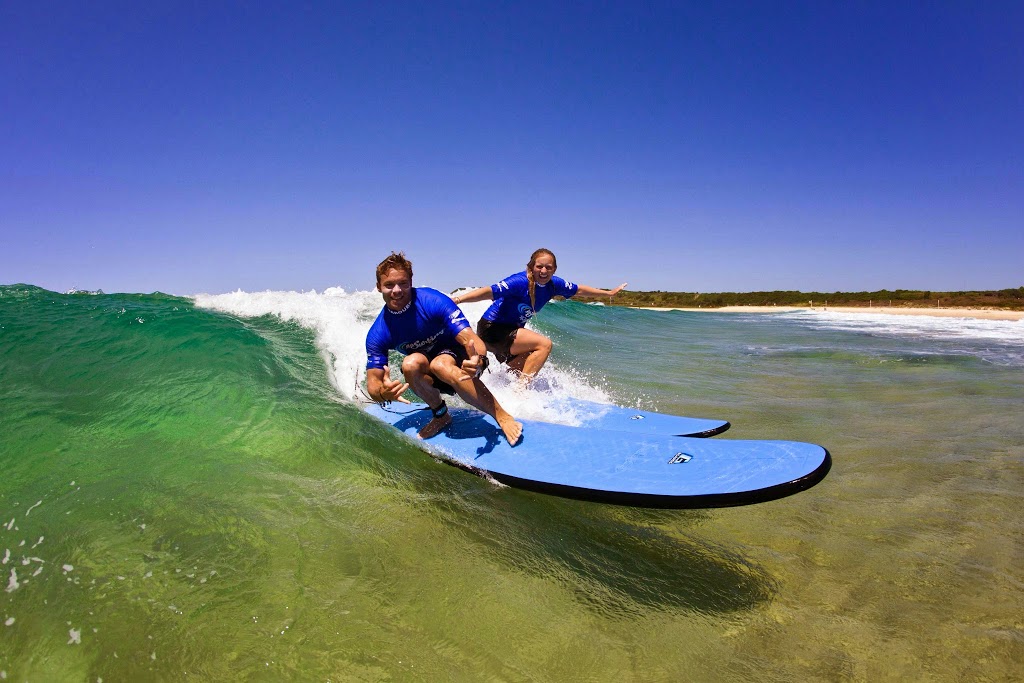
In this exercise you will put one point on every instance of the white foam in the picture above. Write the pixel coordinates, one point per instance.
(340, 321)
(546, 404)
(919, 325)
(996, 341)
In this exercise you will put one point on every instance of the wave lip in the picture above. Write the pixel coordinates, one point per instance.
(340, 321)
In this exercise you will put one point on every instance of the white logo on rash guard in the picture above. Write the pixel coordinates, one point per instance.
(413, 346)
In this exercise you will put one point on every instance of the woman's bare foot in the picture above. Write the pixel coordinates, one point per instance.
(434, 426)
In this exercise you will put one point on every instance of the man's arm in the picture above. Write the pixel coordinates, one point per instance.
(476, 350)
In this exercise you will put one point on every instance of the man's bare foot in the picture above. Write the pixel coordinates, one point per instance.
(513, 430)
(434, 426)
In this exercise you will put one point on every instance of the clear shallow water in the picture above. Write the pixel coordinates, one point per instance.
(188, 490)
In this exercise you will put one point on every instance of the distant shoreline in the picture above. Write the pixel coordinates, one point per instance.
(980, 313)
(983, 300)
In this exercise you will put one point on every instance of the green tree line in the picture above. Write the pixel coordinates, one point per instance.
(1012, 299)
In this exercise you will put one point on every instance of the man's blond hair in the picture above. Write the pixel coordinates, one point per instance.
(397, 261)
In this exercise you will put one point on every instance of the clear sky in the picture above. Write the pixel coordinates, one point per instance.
(195, 147)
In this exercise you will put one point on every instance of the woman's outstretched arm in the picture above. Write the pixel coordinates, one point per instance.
(594, 291)
(478, 294)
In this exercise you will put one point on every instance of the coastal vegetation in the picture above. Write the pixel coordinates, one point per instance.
(1008, 299)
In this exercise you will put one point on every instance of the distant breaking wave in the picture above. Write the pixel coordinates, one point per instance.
(997, 341)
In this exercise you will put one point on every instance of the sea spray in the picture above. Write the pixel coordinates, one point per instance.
(340, 321)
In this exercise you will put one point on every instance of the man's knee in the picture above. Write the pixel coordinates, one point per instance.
(544, 344)
(442, 366)
(414, 364)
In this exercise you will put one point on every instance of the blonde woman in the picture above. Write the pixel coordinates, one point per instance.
(518, 298)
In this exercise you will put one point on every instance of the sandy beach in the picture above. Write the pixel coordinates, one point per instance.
(983, 313)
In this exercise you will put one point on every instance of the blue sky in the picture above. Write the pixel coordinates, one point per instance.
(725, 146)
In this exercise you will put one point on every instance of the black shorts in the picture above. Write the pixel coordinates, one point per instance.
(459, 354)
(499, 336)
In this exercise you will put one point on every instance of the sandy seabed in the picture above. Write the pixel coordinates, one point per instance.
(983, 313)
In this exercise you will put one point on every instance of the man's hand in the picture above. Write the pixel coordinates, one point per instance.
(392, 390)
(475, 366)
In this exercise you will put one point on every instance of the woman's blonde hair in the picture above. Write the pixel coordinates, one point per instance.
(529, 272)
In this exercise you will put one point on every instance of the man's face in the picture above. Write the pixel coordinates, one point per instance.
(396, 287)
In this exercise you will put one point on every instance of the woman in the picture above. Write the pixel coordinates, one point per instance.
(517, 298)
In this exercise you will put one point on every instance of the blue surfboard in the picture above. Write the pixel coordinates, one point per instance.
(607, 416)
(619, 467)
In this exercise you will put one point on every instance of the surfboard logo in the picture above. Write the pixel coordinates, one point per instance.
(680, 457)
(637, 417)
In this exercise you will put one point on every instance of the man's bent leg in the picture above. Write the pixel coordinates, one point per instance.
(416, 369)
(474, 392)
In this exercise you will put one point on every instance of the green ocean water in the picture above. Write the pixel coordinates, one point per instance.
(190, 491)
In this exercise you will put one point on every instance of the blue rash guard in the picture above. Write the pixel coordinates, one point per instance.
(512, 298)
(427, 325)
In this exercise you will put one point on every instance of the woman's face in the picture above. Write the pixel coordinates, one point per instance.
(543, 269)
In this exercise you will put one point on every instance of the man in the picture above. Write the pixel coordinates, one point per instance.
(442, 353)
